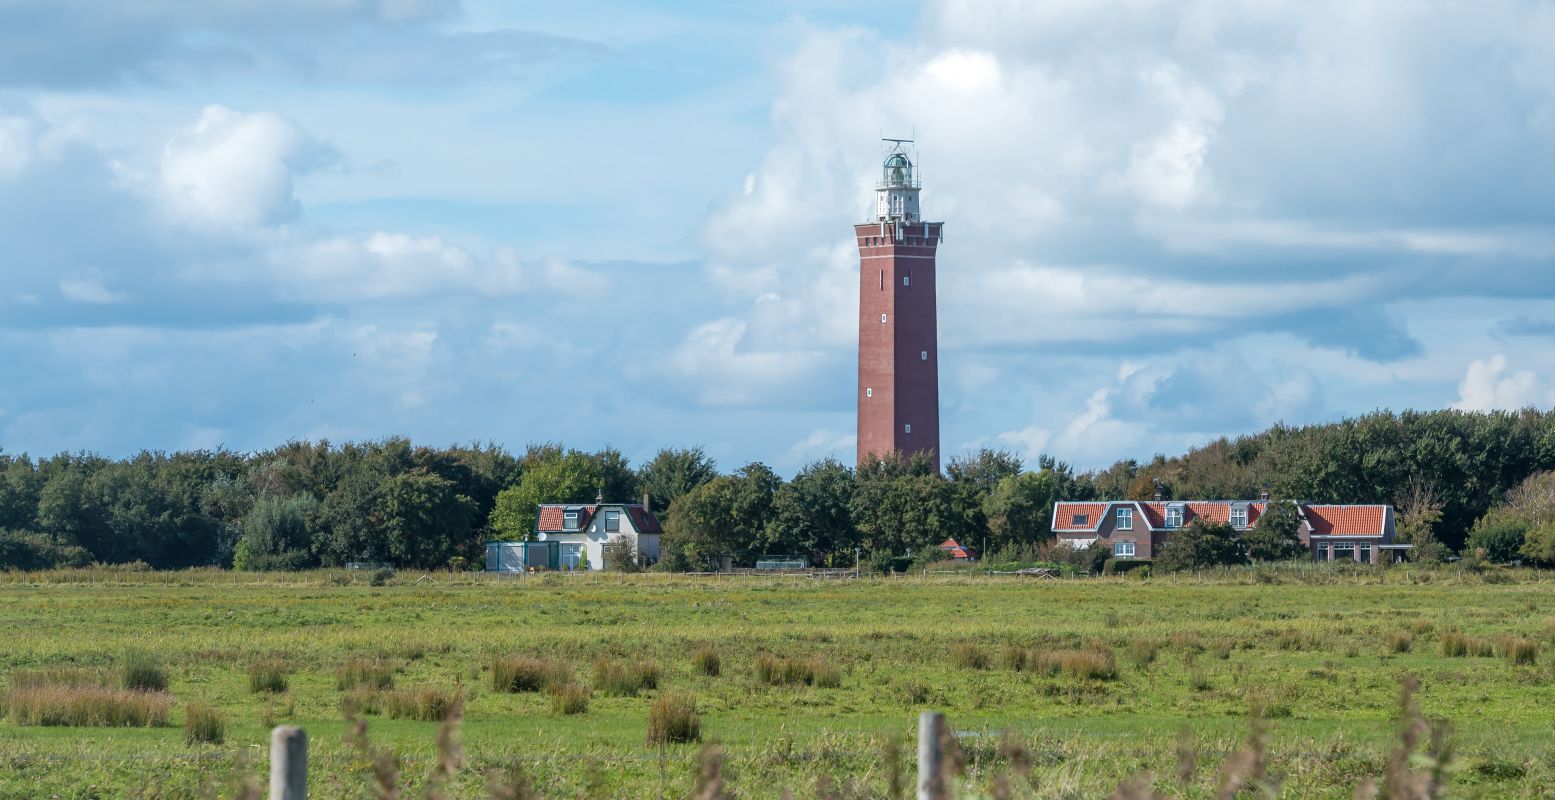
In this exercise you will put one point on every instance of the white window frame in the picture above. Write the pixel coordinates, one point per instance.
(1125, 519)
(571, 554)
(869, 391)
(923, 355)
(1174, 517)
(570, 520)
(882, 319)
(1123, 550)
(612, 521)
(907, 427)
(1235, 510)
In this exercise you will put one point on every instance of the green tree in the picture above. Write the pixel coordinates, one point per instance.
(1277, 534)
(984, 468)
(673, 472)
(550, 475)
(426, 520)
(900, 506)
(1419, 512)
(277, 534)
(812, 515)
(723, 518)
(1020, 509)
(1202, 544)
(1498, 536)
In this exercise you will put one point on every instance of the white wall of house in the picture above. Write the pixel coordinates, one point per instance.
(592, 539)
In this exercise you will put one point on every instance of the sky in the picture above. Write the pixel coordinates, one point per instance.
(241, 222)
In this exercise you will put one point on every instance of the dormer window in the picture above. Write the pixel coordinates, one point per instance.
(612, 521)
(1174, 516)
(1080, 520)
(570, 519)
(1125, 519)
(1239, 516)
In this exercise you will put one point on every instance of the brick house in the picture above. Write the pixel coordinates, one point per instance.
(582, 530)
(1138, 528)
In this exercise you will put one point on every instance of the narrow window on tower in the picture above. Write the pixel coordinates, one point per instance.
(869, 391)
(923, 355)
(907, 428)
(882, 280)
(906, 280)
(882, 319)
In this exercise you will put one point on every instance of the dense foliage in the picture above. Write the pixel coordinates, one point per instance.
(311, 504)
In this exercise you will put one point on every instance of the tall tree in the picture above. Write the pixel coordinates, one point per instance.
(672, 472)
(1277, 534)
(723, 518)
(984, 468)
(812, 515)
(1020, 509)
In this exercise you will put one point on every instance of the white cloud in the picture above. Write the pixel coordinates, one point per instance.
(235, 170)
(720, 371)
(1489, 384)
(90, 289)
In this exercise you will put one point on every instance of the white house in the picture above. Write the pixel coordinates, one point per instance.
(584, 529)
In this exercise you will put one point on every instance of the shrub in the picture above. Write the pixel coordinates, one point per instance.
(382, 576)
(88, 706)
(967, 655)
(621, 555)
(203, 723)
(426, 703)
(366, 673)
(525, 674)
(142, 672)
(673, 718)
(267, 675)
(30, 551)
(1522, 651)
(570, 698)
(776, 671)
(706, 661)
(625, 679)
(1400, 642)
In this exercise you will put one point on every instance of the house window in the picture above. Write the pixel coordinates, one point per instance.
(907, 428)
(570, 556)
(1174, 516)
(1126, 519)
(569, 520)
(1365, 553)
(1239, 516)
(612, 521)
(1080, 519)
(923, 355)
(1123, 549)
(869, 392)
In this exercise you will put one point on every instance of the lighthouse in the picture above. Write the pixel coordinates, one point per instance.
(898, 352)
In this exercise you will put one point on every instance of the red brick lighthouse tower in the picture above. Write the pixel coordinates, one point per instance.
(898, 354)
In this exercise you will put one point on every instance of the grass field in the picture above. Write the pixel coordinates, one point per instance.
(1323, 653)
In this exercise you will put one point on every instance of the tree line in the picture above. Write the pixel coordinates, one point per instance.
(1466, 482)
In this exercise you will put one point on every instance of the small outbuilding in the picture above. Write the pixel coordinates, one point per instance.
(958, 552)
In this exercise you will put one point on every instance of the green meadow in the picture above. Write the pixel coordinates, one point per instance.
(1057, 688)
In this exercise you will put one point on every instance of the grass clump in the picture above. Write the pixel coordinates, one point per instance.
(569, 698)
(142, 672)
(203, 724)
(673, 718)
(1088, 663)
(1290, 640)
(1198, 680)
(1455, 645)
(625, 679)
(366, 673)
(967, 655)
(88, 706)
(1400, 642)
(778, 671)
(268, 675)
(1521, 651)
(525, 674)
(361, 702)
(426, 703)
(706, 661)
(1015, 658)
(1143, 652)
(57, 676)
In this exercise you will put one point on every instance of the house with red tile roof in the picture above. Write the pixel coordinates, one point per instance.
(1137, 528)
(957, 552)
(583, 530)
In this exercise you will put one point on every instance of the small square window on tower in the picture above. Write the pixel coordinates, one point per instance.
(869, 391)
(907, 428)
(882, 319)
(923, 355)
(906, 280)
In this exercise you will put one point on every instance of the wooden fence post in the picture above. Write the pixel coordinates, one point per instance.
(932, 784)
(288, 763)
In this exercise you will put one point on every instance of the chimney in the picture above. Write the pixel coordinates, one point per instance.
(1264, 495)
(646, 498)
(1158, 497)
(599, 496)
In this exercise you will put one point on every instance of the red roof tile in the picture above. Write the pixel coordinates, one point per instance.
(551, 518)
(1347, 520)
(1065, 514)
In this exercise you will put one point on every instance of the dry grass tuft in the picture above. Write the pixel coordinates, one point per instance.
(777, 671)
(204, 724)
(1521, 651)
(268, 675)
(571, 698)
(88, 706)
(366, 673)
(625, 679)
(1089, 663)
(142, 672)
(526, 674)
(1290, 640)
(426, 703)
(76, 677)
(1400, 642)
(967, 655)
(706, 661)
(673, 718)
(1143, 652)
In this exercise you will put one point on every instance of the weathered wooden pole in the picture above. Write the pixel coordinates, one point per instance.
(932, 784)
(288, 763)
